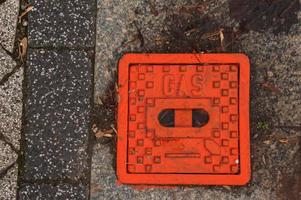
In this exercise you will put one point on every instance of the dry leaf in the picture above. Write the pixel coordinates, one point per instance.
(99, 134)
(221, 35)
(106, 133)
(112, 126)
(23, 48)
(283, 141)
(227, 187)
(189, 32)
(116, 87)
(111, 131)
(263, 160)
(267, 142)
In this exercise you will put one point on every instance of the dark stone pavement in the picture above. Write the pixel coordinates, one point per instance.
(57, 111)
(62, 23)
(55, 162)
(59, 192)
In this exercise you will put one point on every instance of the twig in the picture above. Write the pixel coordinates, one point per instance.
(139, 35)
(27, 10)
(271, 87)
(4, 171)
(221, 34)
(287, 8)
(112, 126)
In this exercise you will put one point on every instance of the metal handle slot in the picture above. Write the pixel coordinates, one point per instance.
(183, 118)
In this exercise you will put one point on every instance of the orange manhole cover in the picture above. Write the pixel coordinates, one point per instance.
(183, 119)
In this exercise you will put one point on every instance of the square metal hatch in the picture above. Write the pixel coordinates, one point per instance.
(183, 119)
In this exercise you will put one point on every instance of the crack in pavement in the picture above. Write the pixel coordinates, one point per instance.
(8, 75)
(19, 64)
(4, 171)
(13, 57)
(6, 140)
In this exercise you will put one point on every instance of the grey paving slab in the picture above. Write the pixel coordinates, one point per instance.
(53, 192)
(62, 23)
(184, 26)
(7, 156)
(10, 101)
(10, 126)
(105, 159)
(8, 22)
(57, 115)
(278, 66)
(150, 26)
(6, 63)
(11, 108)
(8, 184)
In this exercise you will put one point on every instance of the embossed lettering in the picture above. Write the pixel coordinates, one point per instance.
(196, 82)
(169, 86)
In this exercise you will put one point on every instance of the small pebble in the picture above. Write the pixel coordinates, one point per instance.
(270, 74)
(24, 23)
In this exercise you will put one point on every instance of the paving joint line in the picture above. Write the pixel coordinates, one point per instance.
(55, 182)
(4, 171)
(6, 141)
(62, 48)
(8, 53)
(9, 74)
(19, 62)
(91, 114)
(22, 132)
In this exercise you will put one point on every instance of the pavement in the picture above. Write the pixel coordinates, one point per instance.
(45, 111)
(67, 87)
(10, 101)
(250, 27)
(57, 105)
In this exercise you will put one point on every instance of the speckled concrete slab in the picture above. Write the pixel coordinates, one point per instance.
(10, 101)
(8, 183)
(60, 23)
(57, 192)
(7, 156)
(8, 22)
(10, 128)
(11, 108)
(57, 112)
(6, 62)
